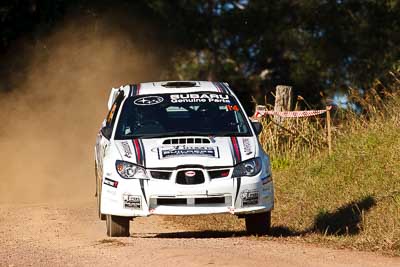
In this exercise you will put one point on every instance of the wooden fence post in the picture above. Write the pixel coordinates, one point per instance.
(283, 100)
(328, 127)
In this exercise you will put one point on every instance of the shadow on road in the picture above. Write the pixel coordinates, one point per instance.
(346, 220)
(201, 234)
(276, 231)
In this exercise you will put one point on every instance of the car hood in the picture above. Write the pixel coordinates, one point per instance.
(177, 151)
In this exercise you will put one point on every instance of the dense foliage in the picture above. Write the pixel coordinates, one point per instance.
(313, 45)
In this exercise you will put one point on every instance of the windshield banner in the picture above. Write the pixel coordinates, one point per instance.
(200, 98)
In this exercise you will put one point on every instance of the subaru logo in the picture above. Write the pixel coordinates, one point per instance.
(148, 100)
(190, 173)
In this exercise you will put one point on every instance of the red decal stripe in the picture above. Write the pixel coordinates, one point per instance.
(138, 89)
(217, 86)
(137, 149)
(236, 149)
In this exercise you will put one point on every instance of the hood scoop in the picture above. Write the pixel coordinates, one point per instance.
(180, 84)
(184, 141)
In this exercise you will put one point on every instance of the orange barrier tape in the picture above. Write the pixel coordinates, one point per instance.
(262, 112)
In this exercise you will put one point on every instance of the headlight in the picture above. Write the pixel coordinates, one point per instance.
(129, 170)
(247, 168)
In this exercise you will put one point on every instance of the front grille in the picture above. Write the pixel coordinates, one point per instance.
(209, 200)
(184, 141)
(190, 177)
(171, 201)
(163, 175)
(218, 173)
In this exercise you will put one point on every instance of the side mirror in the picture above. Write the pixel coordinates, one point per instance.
(257, 126)
(106, 131)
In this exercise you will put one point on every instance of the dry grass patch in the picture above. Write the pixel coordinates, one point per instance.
(348, 199)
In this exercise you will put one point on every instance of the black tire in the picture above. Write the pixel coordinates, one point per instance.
(258, 223)
(117, 226)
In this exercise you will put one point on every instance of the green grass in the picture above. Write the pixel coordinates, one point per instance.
(348, 199)
(351, 198)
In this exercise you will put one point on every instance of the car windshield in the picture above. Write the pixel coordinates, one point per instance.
(162, 115)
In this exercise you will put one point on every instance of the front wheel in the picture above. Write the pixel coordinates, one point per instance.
(258, 223)
(117, 226)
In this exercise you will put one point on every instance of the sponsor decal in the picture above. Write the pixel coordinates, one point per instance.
(148, 100)
(249, 197)
(190, 173)
(246, 146)
(232, 107)
(178, 151)
(132, 202)
(110, 182)
(200, 98)
(127, 149)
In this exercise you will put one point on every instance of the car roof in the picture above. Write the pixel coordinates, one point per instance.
(166, 87)
(169, 87)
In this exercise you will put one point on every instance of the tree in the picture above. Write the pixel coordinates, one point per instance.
(313, 45)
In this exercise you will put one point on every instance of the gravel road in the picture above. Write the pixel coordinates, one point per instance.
(69, 234)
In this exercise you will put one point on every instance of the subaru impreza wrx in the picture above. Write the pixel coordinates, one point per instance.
(180, 148)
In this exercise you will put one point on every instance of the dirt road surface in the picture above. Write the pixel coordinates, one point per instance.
(49, 123)
(69, 234)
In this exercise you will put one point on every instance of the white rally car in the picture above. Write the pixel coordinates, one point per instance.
(180, 148)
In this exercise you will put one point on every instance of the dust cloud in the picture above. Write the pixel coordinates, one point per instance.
(50, 120)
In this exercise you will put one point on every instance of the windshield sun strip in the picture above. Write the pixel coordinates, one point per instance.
(241, 123)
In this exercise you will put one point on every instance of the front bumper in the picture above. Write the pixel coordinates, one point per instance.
(136, 197)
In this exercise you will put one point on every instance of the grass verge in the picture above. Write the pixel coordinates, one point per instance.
(349, 199)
